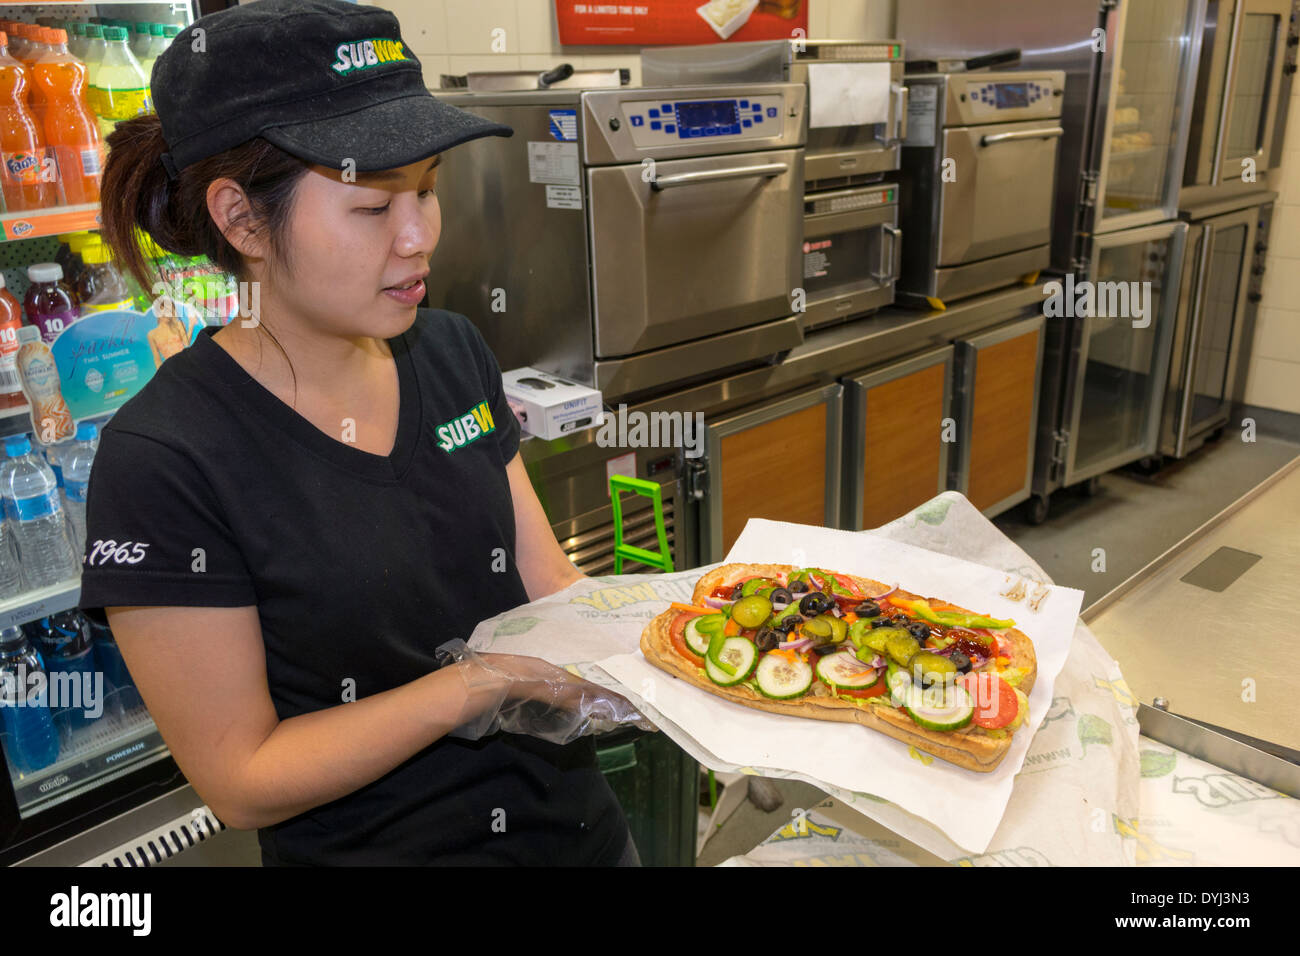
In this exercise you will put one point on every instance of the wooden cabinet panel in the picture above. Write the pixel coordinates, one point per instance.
(902, 442)
(775, 470)
(1002, 416)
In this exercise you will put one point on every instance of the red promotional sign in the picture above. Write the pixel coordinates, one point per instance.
(662, 22)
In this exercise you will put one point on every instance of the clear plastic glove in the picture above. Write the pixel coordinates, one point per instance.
(527, 695)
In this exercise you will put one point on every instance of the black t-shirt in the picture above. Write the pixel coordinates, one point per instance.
(208, 491)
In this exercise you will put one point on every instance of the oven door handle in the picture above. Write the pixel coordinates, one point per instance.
(895, 240)
(1051, 132)
(714, 175)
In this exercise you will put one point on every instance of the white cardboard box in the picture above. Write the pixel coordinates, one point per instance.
(548, 406)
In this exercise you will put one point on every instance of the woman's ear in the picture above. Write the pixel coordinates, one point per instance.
(229, 208)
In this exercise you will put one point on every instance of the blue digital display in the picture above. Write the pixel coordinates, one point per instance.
(1010, 95)
(715, 115)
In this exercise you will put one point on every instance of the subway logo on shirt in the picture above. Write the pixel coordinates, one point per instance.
(463, 429)
(363, 54)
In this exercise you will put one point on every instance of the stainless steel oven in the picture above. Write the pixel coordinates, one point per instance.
(978, 181)
(857, 117)
(853, 131)
(851, 245)
(628, 238)
(1248, 57)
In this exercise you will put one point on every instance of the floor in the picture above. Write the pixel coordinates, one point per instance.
(1132, 519)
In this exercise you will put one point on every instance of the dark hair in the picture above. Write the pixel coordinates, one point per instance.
(137, 192)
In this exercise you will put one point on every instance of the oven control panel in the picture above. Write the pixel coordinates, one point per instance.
(1007, 96)
(666, 122)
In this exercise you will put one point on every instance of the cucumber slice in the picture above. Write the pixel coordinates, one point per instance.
(781, 678)
(837, 670)
(898, 681)
(739, 652)
(946, 707)
(697, 642)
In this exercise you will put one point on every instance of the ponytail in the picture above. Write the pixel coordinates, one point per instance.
(137, 193)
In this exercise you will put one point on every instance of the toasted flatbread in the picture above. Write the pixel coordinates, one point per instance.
(971, 747)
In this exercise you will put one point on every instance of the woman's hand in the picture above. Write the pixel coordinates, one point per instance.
(527, 695)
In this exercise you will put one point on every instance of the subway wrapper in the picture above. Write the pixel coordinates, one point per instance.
(1078, 803)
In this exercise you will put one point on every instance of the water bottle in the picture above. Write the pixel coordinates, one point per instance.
(109, 660)
(76, 476)
(65, 644)
(33, 506)
(11, 581)
(31, 740)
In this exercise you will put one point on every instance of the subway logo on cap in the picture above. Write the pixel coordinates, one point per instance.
(363, 54)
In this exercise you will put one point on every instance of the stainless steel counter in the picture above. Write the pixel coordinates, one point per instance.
(1209, 625)
(824, 355)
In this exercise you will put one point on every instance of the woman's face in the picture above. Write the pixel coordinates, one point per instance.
(352, 242)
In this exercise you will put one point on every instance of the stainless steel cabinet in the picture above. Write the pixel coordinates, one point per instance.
(779, 460)
(894, 452)
(1113, 395)
(995, 404)
(1208, 333)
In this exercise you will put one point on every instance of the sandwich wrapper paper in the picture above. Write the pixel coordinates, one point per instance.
(1076, 801)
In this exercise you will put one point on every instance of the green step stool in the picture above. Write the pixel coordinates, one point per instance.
(661, 559)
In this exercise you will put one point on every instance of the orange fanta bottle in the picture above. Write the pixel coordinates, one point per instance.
(22, 141)
(32, 51)
(70, 127)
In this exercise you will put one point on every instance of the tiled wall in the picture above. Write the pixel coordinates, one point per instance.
(456, 36)
(1274, 379)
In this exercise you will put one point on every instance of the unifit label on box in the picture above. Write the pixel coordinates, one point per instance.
(548, 406)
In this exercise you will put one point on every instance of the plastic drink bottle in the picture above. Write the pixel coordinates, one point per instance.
(32, 51)
(70, 127)
(11, 320)
(94, 58)
(72, 271)
(141, 41)
(31, 501)
(101, 286)
(77, 461)
(77, 41)
(66, 646)
(11, 579)
(31, 741)
(123, 86)
(16, 41)
(50, 305)
(26, 182)
(49, 412)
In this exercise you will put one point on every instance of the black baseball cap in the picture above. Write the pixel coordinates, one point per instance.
(324, 80)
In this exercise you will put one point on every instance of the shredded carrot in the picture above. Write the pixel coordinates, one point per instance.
(850, 617)
(1003, 661)
(731, 629)
(692, 607)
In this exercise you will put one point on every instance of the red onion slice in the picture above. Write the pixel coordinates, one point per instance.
(717, 602)
(877, 597)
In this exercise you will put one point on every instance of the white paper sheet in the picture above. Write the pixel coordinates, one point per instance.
(964, 804)
(847, 94)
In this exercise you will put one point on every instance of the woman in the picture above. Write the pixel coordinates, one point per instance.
(274, 534)
(169, 336)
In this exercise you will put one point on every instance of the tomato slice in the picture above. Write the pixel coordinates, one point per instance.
(847, 585)
(996, 704)
(875, 690)
(678, 632)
